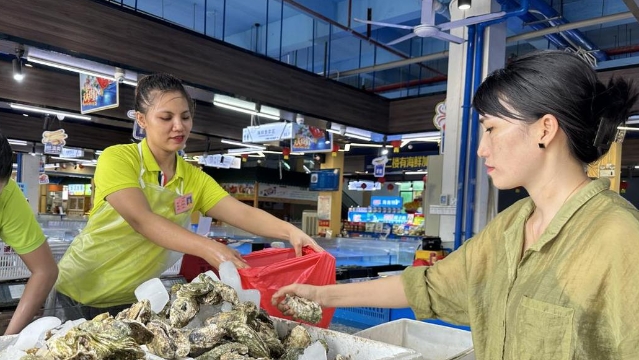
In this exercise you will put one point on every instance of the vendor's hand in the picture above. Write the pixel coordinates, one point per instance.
(299, 239)
(309, 292)
(221, 253)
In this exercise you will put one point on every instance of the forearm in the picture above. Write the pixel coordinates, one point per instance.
(169, 235)
(386, 293)
(32, 299)
(254, 220)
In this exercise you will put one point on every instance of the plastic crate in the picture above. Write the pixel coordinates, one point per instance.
(11, 265)
(407, 313)
(361, 317)
(174, 269)
(58, 248)
(434, 342)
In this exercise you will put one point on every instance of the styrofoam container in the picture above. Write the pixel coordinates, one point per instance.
(433, 342)
(338, 343)
(357, 347)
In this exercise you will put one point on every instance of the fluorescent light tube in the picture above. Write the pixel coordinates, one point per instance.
(355, 136)
(269, 112)
(48, 111)
(627, 128)
(17, 142)
(237, 143)
(366, 145)
(234, 102)
(429, 134)
(235, 108)
(242, 151)
(68, 67)
(416, 172)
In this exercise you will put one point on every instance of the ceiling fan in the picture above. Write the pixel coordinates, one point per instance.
(427, 27)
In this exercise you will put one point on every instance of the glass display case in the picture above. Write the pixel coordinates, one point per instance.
(370, 252)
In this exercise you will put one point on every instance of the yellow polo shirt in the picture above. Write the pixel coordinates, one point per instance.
(18, 227)
(573, 295)
(119, 168)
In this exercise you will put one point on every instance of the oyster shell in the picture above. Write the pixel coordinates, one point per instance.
(292, 354)
(243, 333)
(205, 339)
(298, 338)
(183, 310)
(304, 309)
(223, 318)
(342, 357)
(168, 342)
(249, 309)
(140, 311)
(101, 338)
(227, 293)
(194, 289)
(228, 348)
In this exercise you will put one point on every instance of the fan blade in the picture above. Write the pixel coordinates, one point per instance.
(472, 20)
(405, 37)
(448, 37)
(384, 24)
(428, 15)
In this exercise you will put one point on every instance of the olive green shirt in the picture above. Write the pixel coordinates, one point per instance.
(574, 294)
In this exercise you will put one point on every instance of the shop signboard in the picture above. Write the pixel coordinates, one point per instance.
(387, 202)
(71, 153)
(43, 179)
(267, 132)
(403, 161)
(324, 207)
(324, 180)
(311, 139)
(76, 189)
(97, 93)
(286, 192)
(439, 120)
(373, 217)
(223, 161)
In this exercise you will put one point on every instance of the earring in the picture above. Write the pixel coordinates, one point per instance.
(542, 145)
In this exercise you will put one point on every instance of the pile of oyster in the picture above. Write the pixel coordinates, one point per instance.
(242, 332)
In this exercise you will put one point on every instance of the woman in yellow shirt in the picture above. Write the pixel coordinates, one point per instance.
(20, 230)
(555, 275)
(144, 195)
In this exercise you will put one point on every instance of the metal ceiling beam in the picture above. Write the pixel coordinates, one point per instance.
(633, 6)
(571, 26)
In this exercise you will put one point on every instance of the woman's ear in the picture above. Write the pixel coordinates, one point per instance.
(546, 130)
(140, 119)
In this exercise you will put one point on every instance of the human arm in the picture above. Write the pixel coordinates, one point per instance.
(132, 205)
(44, 272)
(386, 292)
(259, 222)
(20, 230)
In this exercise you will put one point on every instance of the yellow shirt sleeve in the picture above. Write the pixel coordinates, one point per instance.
(118, 168)
(18, 227)
(206, 191)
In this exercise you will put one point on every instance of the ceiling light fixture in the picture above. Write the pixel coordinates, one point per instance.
(70, 63)
(269, 112)
(42, 110)
(17, 142)
(237, 143)
(464, 4)
(355, 136)
(423, 172)
(627, 128)
(17, 70)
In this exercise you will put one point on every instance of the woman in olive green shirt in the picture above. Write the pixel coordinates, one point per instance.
(554, 276)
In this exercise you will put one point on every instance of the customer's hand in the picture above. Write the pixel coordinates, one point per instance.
(309, 292)
(219, 253)
(299, 239)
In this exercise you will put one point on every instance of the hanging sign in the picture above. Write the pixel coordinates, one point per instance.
(379, 166)
(223, 161)
(71, 153)
(267, 132)
(387, 202)
(43, 179)
(97, 93)
(54, 141)
(311, 139)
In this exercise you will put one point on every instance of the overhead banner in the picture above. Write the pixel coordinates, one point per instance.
(267, 132)
(54, 141)
(402, 161)
(97, 93)
(311, 139)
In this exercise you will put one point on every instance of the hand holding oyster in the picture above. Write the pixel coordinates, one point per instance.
(302, 309)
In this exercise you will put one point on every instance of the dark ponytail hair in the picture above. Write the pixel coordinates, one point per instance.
(160, 83)
(561, 84)
(6, 160)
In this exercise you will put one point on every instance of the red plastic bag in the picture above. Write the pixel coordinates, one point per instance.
(272, 269)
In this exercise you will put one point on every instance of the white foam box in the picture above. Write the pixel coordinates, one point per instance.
(357, 347)
(433, 342)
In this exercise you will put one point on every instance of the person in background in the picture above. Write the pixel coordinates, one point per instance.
(554, 276)
(20, 230)
(144, 196)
